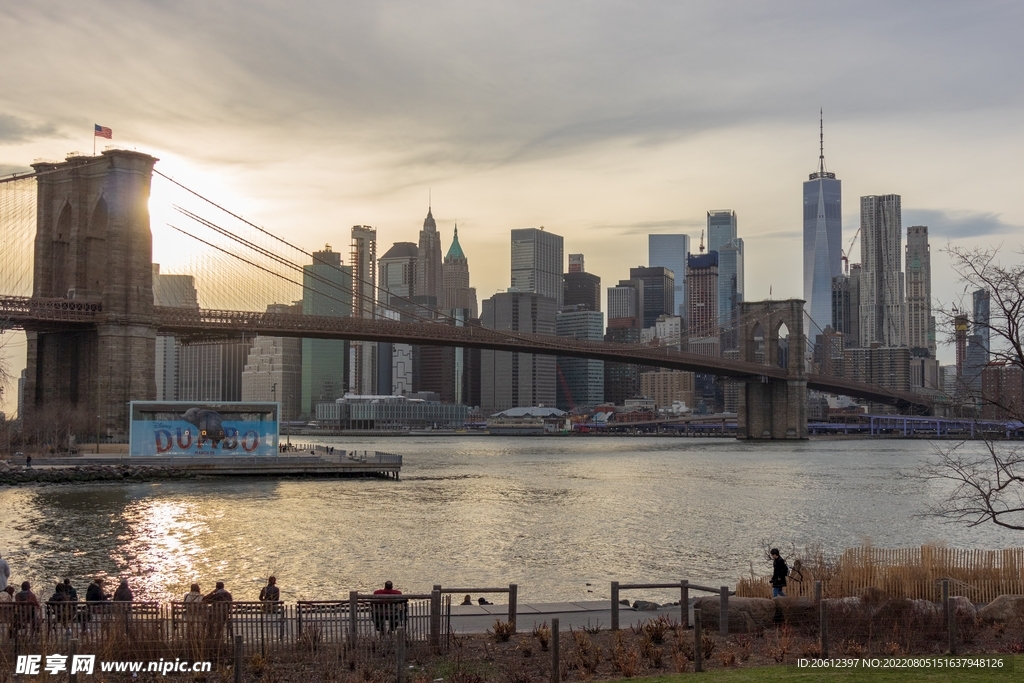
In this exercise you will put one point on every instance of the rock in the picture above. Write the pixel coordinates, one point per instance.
(926, 608)
(745, 614)
(965, 609)
(645, 605)
(1003, 609)
(795, 610)
(624, 602)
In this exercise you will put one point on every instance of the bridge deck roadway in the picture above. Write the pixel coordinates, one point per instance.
(44, 314)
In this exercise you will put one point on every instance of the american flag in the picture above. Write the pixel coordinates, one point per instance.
(104, 132)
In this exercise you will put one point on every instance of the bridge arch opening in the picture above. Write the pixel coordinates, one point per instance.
(59, 281)
(95, 253)
(782, 355)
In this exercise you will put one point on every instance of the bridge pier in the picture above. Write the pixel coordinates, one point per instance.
(93, 244)
(772, 334)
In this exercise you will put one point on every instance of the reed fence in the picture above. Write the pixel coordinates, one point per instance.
(913, 573)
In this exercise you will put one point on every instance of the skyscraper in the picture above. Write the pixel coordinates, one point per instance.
(730, 289)
(702, 276)
(580, 380)
(625, 315)
(671, 251)
(882, 299)
(457, 292)
(920, 322)
(537, 263)
(273, 370)
(580, 288)
(721, 228)
(509, 380)
(823, 235)
(659, 298)
(397, 284)
(327, 290)
(429, 274)
(178, 291)
(364, 303)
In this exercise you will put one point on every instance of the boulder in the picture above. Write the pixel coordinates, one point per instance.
(795, 610)
(745, 614)
(645, 605)
(965, 609)
(926, 608)
(1003, 609)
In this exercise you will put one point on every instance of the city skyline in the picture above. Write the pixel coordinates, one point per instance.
(309, 122)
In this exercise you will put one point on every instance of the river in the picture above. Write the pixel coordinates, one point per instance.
(561, 517)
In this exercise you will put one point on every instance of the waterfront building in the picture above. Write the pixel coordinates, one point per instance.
(823, 235)
(659, 291)
(526, 421)
(390, 413)
(671, 252)
(177, 291)
(666, 387)
(537, 263)
(580, 380)
(327, 290)
(920, 322)
(882, 298)
(884, 366)
(510, 379)
(1002, 391)
(363, 259)
(273, 369)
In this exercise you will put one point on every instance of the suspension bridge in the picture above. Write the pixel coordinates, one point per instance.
(76, 275)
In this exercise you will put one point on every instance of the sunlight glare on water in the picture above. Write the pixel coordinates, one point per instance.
(549, 514)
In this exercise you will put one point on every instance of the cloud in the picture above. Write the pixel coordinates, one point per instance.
(681, 225)
(954, 224)
(15, 130)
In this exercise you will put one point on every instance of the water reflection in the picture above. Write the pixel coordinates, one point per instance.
(549, 514)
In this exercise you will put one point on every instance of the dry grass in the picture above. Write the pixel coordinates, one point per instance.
(912, 573)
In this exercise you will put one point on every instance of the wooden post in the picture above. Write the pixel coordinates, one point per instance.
(723, 610)
(73, 677)
(400, 654)
(684, 603)
(513, 600)
(556, 672)
(698, 659)
(950, 616)
(615, 605)
(824, 629)
(435, 619)
(353, 615)
(817, 592)
(238, 659)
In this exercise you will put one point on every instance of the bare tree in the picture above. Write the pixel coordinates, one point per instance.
(987, 484)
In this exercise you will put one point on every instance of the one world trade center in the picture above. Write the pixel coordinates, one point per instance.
(823, 234)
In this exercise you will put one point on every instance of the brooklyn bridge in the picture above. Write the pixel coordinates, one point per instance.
(78, 254)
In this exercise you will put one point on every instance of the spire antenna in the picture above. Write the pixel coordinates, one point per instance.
(702, 241)
(821, 140)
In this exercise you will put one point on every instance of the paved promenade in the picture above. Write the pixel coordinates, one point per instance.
(582, 614)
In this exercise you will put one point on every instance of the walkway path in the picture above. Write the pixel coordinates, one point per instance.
(582, 614)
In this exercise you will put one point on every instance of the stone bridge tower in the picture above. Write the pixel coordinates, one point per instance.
(93, 244)
(773, 408)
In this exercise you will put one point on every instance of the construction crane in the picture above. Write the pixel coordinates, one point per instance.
(846, 254)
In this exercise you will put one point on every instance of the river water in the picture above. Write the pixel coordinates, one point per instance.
(561, 517)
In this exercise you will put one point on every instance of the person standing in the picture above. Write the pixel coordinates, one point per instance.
(220, 611)
(94, 593)
(390, 612)
(5, 573)
(70, 591)
(123, 592)
(780, 570)
(270, 592)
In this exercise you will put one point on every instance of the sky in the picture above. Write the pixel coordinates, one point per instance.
(601, 121)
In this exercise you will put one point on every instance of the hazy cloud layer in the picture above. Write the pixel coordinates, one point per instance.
(960, 224)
